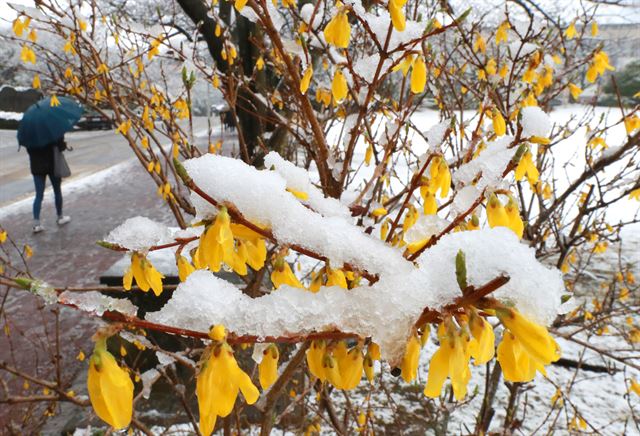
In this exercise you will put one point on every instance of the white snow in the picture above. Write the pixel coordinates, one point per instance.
(435, 135)
(535, 122)
(425, 227)
(139, 234)
(385, 310)
(490, 164)
(298, 179)
(261, 197)
(464, 198)
(16, 116)
(148, 378)
(95, 302)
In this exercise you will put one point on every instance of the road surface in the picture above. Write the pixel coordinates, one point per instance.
(92, 151)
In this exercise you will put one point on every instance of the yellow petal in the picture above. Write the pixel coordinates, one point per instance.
(438, 370)
(418, 76)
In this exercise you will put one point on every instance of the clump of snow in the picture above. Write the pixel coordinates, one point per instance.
(385, 310)
(274, 14)
(139, 234)
(95, 302)
(490, 164)
(379, 25)
(148, 378)
(258, 352)
(535, 122)
(366, 67)
(464, 199)
(44, 290)
(14, 116)
(267, 202)
(298, 179)
(435, 135)
(425, 227)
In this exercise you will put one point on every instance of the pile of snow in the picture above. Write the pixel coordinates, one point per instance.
(385, 310)
(139, 234)
(298, 179)
(262, 198)
(534, 122)
(14, 116)
(95, 302)
(490, 164)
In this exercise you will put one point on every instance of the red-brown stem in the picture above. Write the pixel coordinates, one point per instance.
(427, 316)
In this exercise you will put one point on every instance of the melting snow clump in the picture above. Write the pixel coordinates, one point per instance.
(139, 233)
(385, 310)
(535, 122)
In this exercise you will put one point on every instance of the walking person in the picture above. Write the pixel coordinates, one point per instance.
(41, 131)
(43, 164)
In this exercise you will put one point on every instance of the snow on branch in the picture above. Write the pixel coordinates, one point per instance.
(386, 310)
(261, 197)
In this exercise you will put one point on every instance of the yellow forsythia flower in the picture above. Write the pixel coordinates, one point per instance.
(306, 79)
(240, 4)
(496, 213)
(110, 388)
(571, 32)
(335, 277)
(430, 204)
(451, 360)
(216, 243)
(380, 211)
(282, 275)
(268, 367)
(397, 16)
(350, 365)
(513, 215)
(184, 268)
(315, 356)
(339, 87)
(528, 347)
(218, 383)
(499, 125)
(479, 45)
(404, 65)
(418, 75)
(575, 91)
(599, 64)
(635, 386)
(124, 127)
(27, 55)
(594, 28)
(631, 123)
(482, 332)
(635, 194)
(501, 33)
(36, 82)
(411, 359)
(3, 236)
(373, 353)
(338, 31)
(19, 26)
(146, 276)
(526, 166)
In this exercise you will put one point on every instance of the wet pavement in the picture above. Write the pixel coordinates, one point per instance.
(92, 151)
(66, 256)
